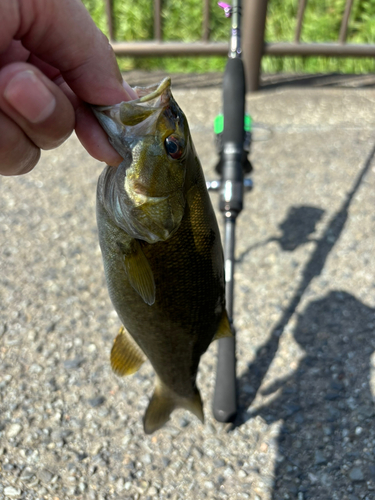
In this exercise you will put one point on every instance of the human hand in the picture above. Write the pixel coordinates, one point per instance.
(53, 59)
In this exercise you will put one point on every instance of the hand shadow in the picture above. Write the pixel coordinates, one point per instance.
(296, 229)
(327, 406)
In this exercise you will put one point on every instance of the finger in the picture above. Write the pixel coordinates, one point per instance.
(18, 155)
(89, 132)
(36, 105)
(87, 128)
(64, 35)
(93, 138)
(50, 71)
(15, 52)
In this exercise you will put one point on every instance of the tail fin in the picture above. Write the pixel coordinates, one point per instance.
(163, 402)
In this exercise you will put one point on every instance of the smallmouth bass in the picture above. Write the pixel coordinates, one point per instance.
(161, 248)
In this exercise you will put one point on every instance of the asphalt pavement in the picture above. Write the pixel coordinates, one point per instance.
(304, 314)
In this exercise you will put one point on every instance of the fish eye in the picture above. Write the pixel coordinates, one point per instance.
(173, 147)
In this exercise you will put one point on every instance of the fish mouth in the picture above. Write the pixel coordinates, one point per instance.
(145, 94)
(157, 90)
(135, 111)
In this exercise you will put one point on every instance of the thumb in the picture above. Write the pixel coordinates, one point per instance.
(64, 35)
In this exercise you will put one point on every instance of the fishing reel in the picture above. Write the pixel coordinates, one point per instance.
(245, 162)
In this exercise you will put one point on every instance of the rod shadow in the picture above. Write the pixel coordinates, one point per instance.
(265, 355)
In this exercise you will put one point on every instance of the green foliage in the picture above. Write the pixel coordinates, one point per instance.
(182, 21)
(133, 20)
(97, 11)
(322, 22)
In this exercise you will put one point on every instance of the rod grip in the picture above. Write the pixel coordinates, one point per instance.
(225, 395)
(234, 90)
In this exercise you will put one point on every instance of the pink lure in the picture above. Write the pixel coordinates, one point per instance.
(227, 8)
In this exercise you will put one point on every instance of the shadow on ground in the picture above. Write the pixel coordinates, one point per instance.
(299, 224)
(269, 82)
(337, 334)
(313, 268)
(323, 405)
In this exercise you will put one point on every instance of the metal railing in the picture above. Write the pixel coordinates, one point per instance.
(254, 46)
(157, 47)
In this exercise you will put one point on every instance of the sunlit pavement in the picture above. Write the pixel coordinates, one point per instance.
(304, 314)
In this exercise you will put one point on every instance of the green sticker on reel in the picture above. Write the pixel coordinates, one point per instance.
(219, 123)
(248, 122)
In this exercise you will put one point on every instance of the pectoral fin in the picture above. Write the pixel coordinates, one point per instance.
(139, 272)
(224, 329)
(163, 402)
(126, 356)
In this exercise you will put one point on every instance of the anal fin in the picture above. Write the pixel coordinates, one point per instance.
(224, 329)
(126, 356)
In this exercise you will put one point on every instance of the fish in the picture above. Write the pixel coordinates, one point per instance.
(161, 249)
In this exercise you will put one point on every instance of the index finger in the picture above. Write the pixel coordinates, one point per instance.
(64, 35)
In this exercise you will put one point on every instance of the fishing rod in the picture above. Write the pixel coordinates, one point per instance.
(233, 142)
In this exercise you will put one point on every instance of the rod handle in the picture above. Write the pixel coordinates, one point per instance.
(234, 89)
(225, 395)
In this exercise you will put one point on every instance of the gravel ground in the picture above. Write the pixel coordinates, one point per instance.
(304, 312)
